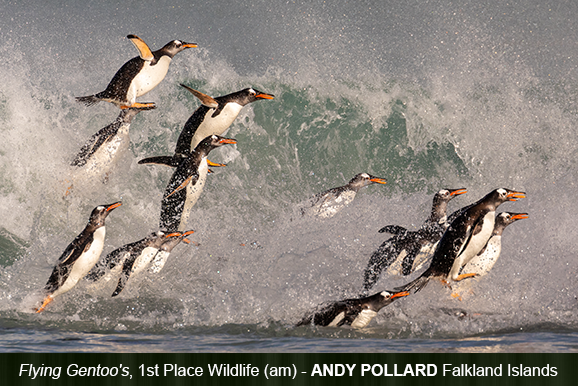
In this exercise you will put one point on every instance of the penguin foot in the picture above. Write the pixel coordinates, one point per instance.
(465, 276)
(44, 304)
(456, 295)
(137, 105)
(211, 163)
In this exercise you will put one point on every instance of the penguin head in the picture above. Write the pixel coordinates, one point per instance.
(447, 194)
(506, 218)
(387, 297)
(174, 47)
(502, 195)
(213, 141)
(248, 95)
(364, 179)
(99, 213)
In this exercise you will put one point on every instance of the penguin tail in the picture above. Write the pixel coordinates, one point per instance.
(416, 285)
(88, 100)
(160, 160)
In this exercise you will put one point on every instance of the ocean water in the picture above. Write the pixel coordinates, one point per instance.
(428, 95)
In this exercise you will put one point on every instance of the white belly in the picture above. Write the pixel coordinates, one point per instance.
(477, 242)
(217, 125)
(193, 194)
(148, 78)
(363, 318)
(483, 263)
(84, 263)
(144, 259)
(159, 261)
(330, 207)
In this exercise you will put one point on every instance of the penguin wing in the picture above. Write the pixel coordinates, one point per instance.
(64, 265)
(393, 229)
(143, 49)
(165, 160)
(181, 183)
(126, 271)
(93, 144)
(204, 98)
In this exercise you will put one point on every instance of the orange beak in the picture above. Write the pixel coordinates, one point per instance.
(399, 294)
(457, 192)
(229, 141)
(190, 45)
(515, 196)
(379, 180)
(265, 96)
(520, 216)
(114, 206)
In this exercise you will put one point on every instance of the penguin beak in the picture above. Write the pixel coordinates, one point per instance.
(190, 45)
(378, 180)
(230, 141)
(211, 163)
(399, 294)
(174, 234)
(265, 96)
(520, 216)
(515, 196)
(113, 206)
(457, 192)
(185, 235)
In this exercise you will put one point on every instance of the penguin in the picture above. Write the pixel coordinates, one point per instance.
(464, 239)
(213, 117)
(139, 75)
(328, 203)
(99, 155)
(164, 252)
(484, 261)
(356, 312)
(186, 185)
(141, 255)
(80, 255)
(405, 245)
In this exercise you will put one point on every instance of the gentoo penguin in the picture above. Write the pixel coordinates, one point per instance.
(354, 312)
(101, 152)
(464, 239)
(140, 257)
(165, 250)
(139, 75)
(213, 117)
(328, 203)
(405, 245)
(80, 255)
(484, 261)
(186, 185)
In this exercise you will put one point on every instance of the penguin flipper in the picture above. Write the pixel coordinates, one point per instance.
(379, 261)
(393, 229)
(417, 284)
(160, 160)
(205, 99)
(144, 51)
(407, 263)
(88, 100)
(125, 274)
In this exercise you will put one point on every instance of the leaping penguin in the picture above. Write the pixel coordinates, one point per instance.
(164, 252)
(186, 185)
(484, 261)
(464, 239)
(80, 255)
(356, 312)
(328, 203)
(406, 245)
(139, 75)
(213, 117)
(100, 153)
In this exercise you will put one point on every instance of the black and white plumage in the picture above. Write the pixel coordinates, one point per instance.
(165, 250)
(464, 239)
(139, 75)
(100, 154)
(484, 261)
(213, 117)
(186, 185)
(403, 248)
(80, 255)
(357, 312)
(328, 203)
